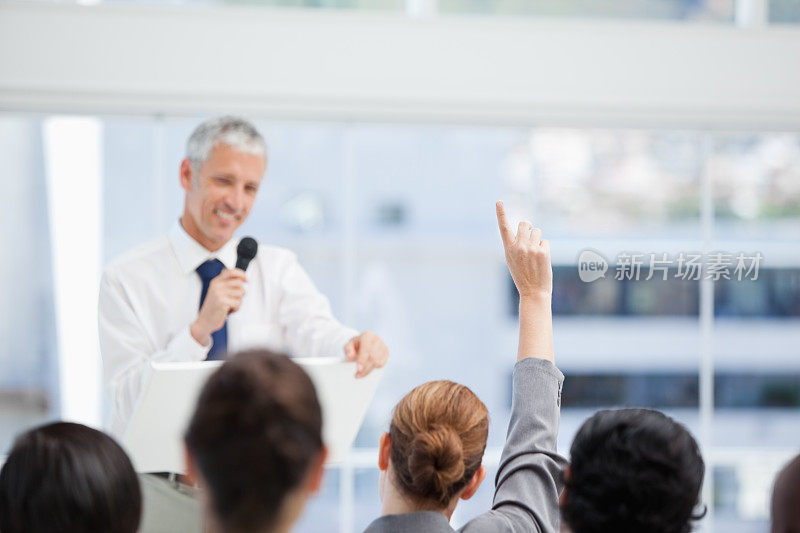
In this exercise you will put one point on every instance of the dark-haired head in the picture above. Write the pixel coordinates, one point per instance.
(255, 441)
(68, 478)
(435, 444)
(632, 470)
(786, 499)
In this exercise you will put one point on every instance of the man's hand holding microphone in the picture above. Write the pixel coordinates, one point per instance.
(225, 293)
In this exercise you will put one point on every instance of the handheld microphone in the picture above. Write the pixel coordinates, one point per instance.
(245, 252)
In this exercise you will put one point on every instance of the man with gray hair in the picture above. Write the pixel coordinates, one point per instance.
(148, 307)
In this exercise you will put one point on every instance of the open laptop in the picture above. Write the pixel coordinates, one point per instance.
(154, 437)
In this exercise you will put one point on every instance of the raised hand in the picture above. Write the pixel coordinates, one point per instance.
(527, 256)
(528, 259)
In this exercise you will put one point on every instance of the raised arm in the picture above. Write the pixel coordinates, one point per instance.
(528, 260)
(528, 480)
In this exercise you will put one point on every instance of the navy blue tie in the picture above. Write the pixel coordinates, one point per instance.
(208, 271)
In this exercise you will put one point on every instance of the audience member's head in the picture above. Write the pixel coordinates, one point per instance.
(255, 442)
(632, 470)
(433, 451)
(68, 478)
(786, 499)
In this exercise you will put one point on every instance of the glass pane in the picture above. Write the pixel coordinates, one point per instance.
(614, 183)
(322, 513)
(743, 487)
(426, 232)
(757, 330)
(367, 503)
(702, 10)
(622, 297)
(776, 293)
(784, 11)
(135, 188)
(28, 352)
(370, 5)
(756, 184)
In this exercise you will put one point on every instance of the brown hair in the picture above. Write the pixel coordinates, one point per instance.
(67, 477)
(255, 431)
(786, 499)
(438, 435)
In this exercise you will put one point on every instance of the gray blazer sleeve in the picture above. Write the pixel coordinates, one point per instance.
(529, 479)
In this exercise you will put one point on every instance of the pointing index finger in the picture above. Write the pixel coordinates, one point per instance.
(502, 222)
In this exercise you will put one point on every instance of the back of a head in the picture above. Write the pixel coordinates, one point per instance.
(68, 478)
(438, 436)
(254, 434)
(633, 470)
(786, 499)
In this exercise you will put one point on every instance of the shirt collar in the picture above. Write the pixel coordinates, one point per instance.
(191, 254)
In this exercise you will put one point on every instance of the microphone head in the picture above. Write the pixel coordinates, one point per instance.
(245, 252)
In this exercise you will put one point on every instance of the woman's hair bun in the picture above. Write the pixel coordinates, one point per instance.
(438, 434)
(436, 462)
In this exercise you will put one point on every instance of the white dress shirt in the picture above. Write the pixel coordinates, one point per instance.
(150, 296)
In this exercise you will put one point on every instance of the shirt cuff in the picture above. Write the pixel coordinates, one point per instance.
(540, 365)
(183, 347)
(538, 370)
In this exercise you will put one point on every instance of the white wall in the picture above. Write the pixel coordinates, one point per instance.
(387, 67)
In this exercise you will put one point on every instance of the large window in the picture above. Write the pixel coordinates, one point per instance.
(395, 223)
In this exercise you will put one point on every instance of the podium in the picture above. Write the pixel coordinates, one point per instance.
(154, 437)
